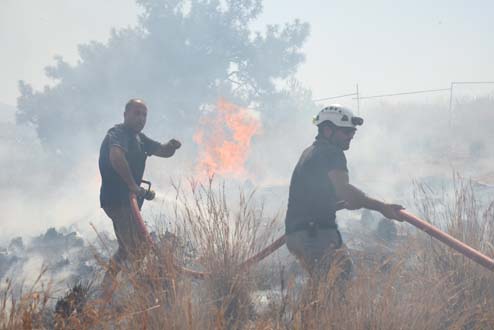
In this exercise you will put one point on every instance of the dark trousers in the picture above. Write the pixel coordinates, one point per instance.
(132, 245)
(317, 251)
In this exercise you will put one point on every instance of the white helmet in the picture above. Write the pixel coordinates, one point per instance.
(339, 115)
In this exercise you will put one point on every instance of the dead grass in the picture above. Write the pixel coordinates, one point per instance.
(422, 284)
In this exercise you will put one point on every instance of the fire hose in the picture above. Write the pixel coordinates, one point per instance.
(134, 205)
(193, 273)
(423, 225)
(449, 240)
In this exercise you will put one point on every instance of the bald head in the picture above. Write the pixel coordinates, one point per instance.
(135, 103)
(135, 114)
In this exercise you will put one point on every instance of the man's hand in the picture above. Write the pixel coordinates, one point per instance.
(168, 149)
(391, 211)
(139, 191)
(174, 144)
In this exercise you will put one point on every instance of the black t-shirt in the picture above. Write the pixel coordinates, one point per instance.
(312, 196)
(137, 148)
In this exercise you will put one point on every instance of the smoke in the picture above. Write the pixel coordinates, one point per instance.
(415, 140)
(36, 192)
(49, 158)
(397, 145)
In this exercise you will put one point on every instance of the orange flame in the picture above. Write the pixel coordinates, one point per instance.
(224, 139)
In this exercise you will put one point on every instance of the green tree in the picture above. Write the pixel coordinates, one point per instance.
(182, 55)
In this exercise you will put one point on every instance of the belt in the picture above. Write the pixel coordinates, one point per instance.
(310, 226)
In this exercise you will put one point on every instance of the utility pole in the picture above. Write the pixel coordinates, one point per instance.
(358, 101)
(451, 104)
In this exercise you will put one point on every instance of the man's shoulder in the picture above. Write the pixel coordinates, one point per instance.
(118, 135)
(118, 132)
(118, 128)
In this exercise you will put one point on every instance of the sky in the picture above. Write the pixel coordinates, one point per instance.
(383, 46)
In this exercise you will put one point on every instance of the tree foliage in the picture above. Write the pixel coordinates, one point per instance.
(182, 55)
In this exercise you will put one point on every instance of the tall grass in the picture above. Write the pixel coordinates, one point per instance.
(421, 284)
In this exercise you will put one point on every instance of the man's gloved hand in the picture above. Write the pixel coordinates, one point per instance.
(392, 211)
(174, 144)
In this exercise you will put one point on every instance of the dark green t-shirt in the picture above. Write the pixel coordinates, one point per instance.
(312, 196)
(137, 147)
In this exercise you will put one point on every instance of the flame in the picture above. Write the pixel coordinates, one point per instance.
(224, 138)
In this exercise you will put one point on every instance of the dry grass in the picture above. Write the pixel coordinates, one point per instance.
(422, 284)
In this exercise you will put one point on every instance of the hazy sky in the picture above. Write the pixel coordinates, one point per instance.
(384, 46)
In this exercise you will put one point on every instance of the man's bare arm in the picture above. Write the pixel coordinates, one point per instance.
(121, 166)
(168, 149)
(355, 199)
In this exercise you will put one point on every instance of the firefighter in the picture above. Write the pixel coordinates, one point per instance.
(319, 187)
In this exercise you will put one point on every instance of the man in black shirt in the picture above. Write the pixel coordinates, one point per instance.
(319, 187)
(122, 161)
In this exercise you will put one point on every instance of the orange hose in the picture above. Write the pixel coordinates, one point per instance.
(145, 232)
(452, 242)
(423, 225)
(140, 221)
(197, 274)
(264, 253)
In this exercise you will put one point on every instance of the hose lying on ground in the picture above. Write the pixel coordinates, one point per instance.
(197, 274)
(423, 225)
